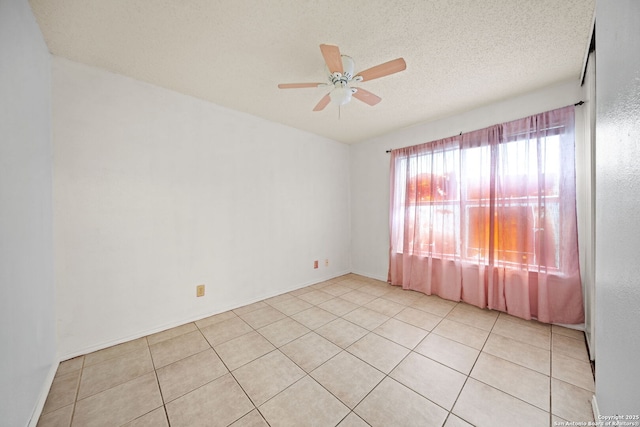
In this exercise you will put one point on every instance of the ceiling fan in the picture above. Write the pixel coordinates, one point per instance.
(340, 75)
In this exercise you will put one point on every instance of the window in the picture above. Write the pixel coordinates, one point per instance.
(489, 217)
(485, 204)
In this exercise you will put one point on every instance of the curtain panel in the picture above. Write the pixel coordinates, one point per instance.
(489, 218)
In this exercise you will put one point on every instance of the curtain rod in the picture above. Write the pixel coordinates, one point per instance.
(577, 104)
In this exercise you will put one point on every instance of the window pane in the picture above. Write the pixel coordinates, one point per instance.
(525, 203)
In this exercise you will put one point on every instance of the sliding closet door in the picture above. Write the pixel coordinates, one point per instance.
(585, 199)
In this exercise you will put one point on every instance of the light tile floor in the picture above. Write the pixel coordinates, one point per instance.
(347, 352)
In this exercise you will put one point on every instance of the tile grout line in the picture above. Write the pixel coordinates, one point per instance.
(75, 400)
(155, 373)
(164, 404)
(308, 374)
(385, 375)
(233, 376)
(470, 370)
(351, 410)
(227, 367)
(331, 358)
(551, 378)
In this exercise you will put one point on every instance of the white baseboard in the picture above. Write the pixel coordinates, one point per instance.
(370, 275)
(578, 327)
(231, 306)
(594, 407)
(44, 392)
(37, 412)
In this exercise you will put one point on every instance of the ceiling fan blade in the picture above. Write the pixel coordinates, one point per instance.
(323, 103)
(332, 57)
(367, 97)
(298, 85)
(382, 70)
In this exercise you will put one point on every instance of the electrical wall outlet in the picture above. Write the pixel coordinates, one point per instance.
(326, 262)
(200, 291)
(315, 264)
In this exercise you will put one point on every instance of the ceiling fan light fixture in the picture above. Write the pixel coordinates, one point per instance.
(341, 95)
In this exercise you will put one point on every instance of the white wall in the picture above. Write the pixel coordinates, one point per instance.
(27, 333)
(617, 205)
(370, 167)
(156, 192)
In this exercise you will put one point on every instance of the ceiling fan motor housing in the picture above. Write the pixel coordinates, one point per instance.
(341, 95)
(345, 77)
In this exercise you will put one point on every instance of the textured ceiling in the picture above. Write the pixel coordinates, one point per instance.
(460, 54)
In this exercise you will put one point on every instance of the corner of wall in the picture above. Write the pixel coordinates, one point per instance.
(44, 392)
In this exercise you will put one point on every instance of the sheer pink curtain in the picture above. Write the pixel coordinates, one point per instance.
(489, 218)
